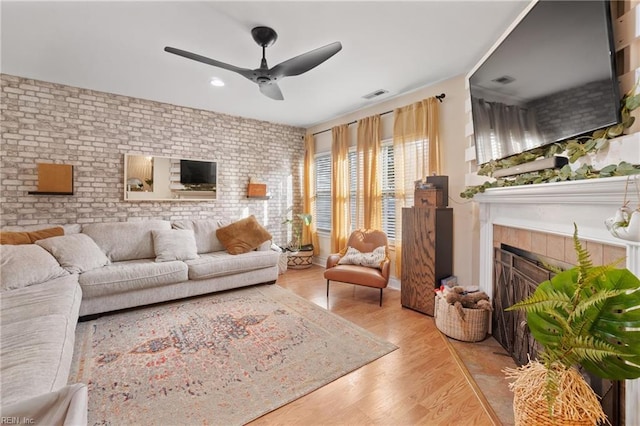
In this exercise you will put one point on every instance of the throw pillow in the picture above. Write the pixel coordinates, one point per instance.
(76, 253)
(126, 240)
(242, 236)
(372, 260)
(174, 244)
(24, 265)
(69, 228)
(29, 237)
(205, 233)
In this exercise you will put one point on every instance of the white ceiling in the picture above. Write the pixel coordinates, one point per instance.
(118, 47)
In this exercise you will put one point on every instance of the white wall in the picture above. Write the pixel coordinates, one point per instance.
(453, 142)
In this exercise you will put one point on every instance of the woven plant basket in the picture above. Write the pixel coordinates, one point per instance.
(471, 328)
(574, 402)
(300, 259)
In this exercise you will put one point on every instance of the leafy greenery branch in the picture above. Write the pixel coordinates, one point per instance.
(303, 219)
(574, 148)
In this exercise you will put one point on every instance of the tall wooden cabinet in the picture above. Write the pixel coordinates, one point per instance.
(427, 255)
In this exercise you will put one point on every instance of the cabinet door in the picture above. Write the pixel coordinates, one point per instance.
(426, 255)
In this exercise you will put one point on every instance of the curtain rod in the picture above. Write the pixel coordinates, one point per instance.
(439, 97)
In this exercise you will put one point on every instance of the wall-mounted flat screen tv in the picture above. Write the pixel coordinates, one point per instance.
(551, 78)
(197, 172)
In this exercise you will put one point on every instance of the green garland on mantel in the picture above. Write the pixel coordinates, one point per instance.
(575, 148)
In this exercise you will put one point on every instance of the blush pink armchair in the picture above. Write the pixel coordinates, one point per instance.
(365, 241)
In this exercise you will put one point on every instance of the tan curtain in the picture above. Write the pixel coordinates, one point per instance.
(416, 148)
(310, 233)
(340, 223)
(369, 189)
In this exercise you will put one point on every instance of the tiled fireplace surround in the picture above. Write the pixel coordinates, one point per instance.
(539, 219)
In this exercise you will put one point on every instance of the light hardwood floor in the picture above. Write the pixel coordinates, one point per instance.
(420, 383)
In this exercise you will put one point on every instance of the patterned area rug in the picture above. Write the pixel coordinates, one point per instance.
(222, 359)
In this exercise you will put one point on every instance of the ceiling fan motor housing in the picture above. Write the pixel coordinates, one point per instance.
(264, 36)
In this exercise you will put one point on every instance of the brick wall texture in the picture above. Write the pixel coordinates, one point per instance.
(52, 123)
(571, 111)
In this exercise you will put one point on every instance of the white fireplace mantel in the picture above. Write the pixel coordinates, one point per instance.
(553, 208)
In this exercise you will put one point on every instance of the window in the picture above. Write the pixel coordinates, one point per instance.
(322, 215)
(353, 185)
(388, 191)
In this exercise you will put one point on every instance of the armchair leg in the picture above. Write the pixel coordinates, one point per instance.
(327, 292)
(380, 297)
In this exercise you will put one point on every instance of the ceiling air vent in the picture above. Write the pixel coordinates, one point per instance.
(376, 93)
(505, 79)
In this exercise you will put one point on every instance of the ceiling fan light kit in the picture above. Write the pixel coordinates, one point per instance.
(215, 81)
(265, 77)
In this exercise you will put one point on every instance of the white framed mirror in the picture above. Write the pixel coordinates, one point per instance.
(154, 178)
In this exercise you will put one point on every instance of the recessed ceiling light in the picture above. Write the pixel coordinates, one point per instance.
(215, 81)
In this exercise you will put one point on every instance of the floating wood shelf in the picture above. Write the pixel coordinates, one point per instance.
(266, 197)
(49, 193)
(54, 179)
(195, 192)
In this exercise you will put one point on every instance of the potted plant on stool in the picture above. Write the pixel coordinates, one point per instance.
(586, 316)
(299, 255)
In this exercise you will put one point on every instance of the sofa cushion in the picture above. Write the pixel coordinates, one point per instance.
(242, 236)
(36, 356)
(56, 297)
(205, 233)
(29, 237)
(37, 335)
(66, 406)
(218, 264)
(25, 265)
(125, 240)
(174, 244)
(76, 253)
(121, 277)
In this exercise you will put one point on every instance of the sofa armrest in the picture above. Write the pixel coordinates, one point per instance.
(265, 246)
(67, 405)
(386, 268)
(332, 260)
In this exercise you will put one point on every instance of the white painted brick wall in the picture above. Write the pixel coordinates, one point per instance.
(52, 123)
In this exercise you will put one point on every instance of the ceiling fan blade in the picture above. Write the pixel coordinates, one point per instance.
(242, 71)
(271, 90)
(303, 63)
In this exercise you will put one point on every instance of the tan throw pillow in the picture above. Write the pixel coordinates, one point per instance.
(76, 253)
(242, 236)
(174, 244)
(371, 260)
(15, 238)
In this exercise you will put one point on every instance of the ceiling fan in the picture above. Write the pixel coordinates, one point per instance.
(267, 78)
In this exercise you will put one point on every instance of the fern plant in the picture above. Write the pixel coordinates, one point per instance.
(589, 316)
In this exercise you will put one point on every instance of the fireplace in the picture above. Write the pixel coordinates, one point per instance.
(534, 216)
(517, 274)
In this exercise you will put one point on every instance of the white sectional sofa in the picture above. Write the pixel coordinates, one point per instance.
(94, 269)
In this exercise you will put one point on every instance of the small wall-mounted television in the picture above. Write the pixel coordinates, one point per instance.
(551, 77)
(197, 172)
